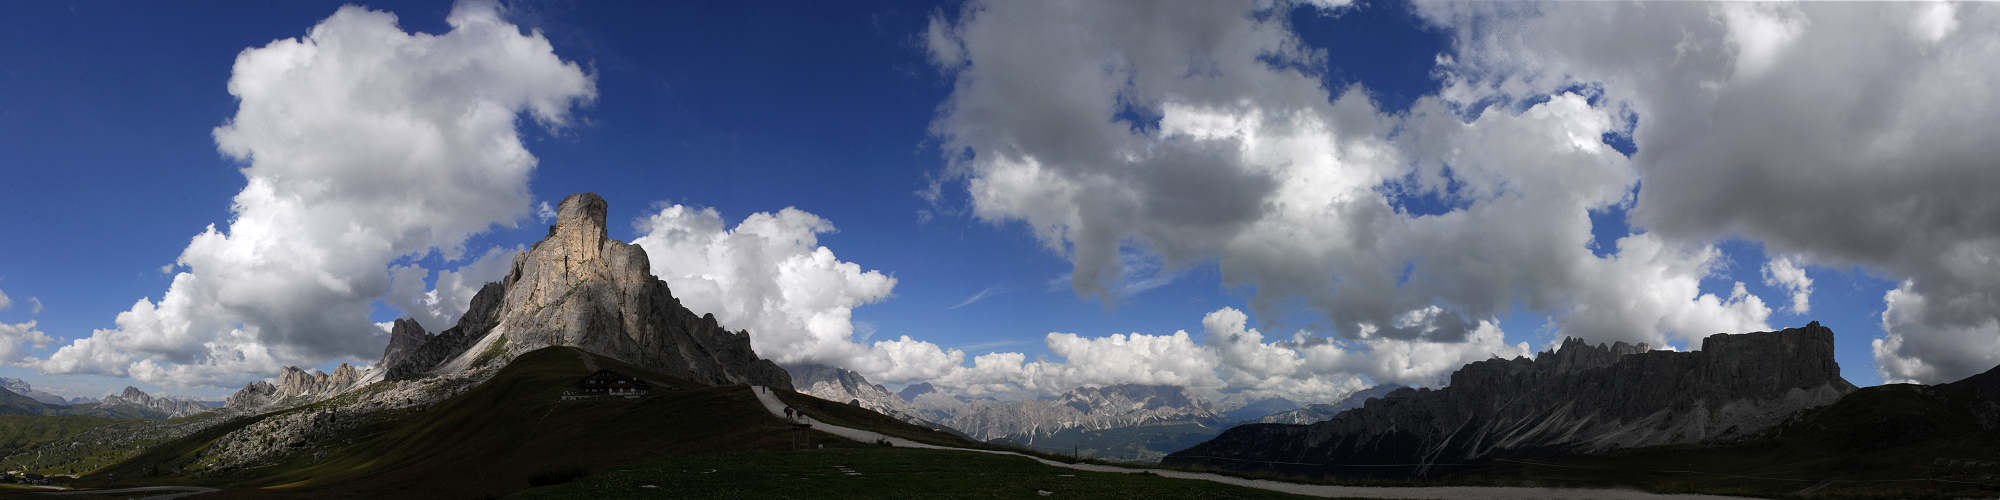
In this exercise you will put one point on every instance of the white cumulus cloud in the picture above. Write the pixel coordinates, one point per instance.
(16, 339)
(361, 143)
(1229, 357)
(1781, 272)
(768, 274)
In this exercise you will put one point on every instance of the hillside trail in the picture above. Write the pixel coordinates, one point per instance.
(777, 409)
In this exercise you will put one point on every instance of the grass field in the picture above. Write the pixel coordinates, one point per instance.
(20, 435)
(21, 431)
(874, 473)
(499, 437)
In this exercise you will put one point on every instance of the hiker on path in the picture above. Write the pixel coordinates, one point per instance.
(788, 413)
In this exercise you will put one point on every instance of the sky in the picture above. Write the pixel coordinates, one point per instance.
(1009, 199)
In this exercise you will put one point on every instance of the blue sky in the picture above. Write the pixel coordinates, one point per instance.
(110, 162)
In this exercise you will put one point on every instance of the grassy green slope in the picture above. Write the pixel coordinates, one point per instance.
(20, 431)
(876, 473)
(1884, 441)
(496, 437)
(12, 403)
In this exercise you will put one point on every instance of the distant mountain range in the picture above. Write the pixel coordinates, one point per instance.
(21, 387)
(1321, 412)
(840, 385)
(1577, 399)
(132, 403)
(1124, 422)
(171, 407)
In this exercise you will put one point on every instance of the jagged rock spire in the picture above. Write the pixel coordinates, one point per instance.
(580, 288)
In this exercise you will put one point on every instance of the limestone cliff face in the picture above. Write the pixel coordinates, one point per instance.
(1580, 398)
(580, 288)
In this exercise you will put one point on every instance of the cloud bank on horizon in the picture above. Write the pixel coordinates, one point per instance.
(1201, 133)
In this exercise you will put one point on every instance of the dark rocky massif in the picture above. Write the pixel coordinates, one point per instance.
(1579, 398)
(580, 288)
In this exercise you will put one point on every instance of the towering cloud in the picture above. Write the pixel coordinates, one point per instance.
(1843, 134)
(769, 275)
(361, 144)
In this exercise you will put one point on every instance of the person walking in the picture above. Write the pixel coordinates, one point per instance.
(788, 413)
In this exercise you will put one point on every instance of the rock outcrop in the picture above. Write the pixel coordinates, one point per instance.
(580, 288)
(294, 387)
(167, 407)
(1579, 398)
(405, 337)
(412, 352)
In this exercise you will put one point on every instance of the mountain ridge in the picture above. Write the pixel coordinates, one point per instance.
(1579, 398)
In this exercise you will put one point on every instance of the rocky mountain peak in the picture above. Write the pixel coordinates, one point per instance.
(911, 392)
(404, 338)
(580, 223)
(580, 288)
(294, 386)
